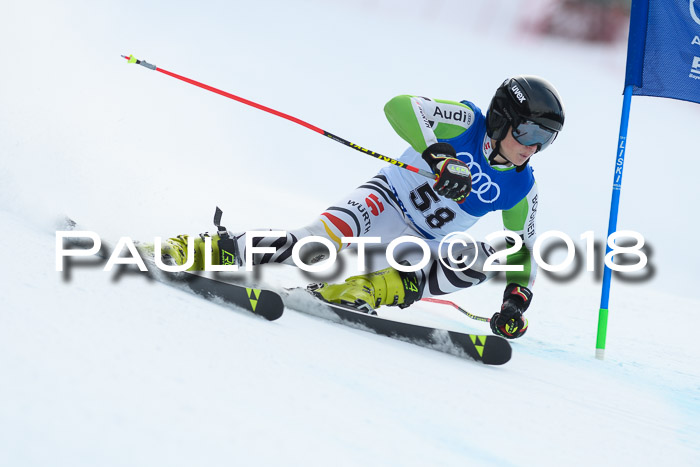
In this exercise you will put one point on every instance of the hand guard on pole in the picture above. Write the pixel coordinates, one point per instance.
(454, 181)
(509, 322)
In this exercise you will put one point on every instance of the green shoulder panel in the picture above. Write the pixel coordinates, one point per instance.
(403, 119)
(514, 220)
(410, 121)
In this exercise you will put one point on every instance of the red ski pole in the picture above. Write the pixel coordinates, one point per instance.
(311, 127)
(452, 304)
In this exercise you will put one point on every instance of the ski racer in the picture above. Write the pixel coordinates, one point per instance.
(481, 163)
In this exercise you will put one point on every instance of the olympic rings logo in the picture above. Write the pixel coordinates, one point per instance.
(484, 187)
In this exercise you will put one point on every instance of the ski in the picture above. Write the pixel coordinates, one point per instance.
(261, 302)
(487, 349)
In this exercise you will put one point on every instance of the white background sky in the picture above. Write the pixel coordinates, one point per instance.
(128, 151)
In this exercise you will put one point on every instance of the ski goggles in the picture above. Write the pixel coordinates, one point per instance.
(530, 133)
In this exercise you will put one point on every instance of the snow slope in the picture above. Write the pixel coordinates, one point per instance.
(98, 369)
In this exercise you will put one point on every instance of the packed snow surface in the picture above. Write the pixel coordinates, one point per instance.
(101, 368)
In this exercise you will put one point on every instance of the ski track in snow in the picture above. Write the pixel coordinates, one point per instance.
(138, 360)
(105, 369)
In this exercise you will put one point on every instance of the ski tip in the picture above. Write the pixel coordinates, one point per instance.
(497, 352)
(273, 304)
(274, 315)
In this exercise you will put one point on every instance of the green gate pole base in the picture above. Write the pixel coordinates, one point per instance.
(602, 331)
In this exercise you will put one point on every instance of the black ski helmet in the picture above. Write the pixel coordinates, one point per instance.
(525, 99)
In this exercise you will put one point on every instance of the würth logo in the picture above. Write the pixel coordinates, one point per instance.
(375, 206)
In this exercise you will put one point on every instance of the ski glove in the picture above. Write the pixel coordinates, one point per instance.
(454, 181)
(509, 322)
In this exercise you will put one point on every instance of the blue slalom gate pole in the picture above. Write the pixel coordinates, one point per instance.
(612, 224)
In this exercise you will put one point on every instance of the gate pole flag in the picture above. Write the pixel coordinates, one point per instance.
(663, 60)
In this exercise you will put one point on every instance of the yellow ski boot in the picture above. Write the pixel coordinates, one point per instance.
(370, 291)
